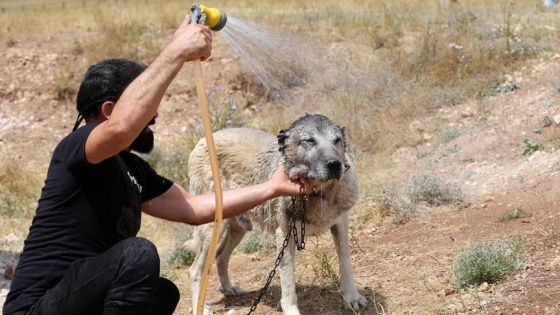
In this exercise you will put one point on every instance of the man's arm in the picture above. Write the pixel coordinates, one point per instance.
(177, 205)
(140, 101)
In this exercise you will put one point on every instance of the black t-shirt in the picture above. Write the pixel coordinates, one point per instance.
(84, 209)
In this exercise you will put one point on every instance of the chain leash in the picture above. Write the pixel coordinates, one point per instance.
(299, 246)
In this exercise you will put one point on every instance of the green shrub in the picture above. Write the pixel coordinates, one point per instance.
(181, 257)
(172, 164)
(257, 242)
(403, 203)
(432, 189)
(514, 214)
(394, 202)
(531, 146)
(488, 262)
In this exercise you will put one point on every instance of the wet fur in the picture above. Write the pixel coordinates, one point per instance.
(313, 147)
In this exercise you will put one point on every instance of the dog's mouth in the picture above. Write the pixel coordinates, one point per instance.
(317, 177)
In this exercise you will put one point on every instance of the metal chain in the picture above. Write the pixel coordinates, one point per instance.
(299, 246)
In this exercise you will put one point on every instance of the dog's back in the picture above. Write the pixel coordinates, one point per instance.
(245, 156)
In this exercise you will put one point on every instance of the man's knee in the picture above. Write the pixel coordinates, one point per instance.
(140, 253)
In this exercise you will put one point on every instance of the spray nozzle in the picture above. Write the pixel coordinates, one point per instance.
(211, 17)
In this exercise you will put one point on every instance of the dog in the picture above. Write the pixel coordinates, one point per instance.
(313, 147)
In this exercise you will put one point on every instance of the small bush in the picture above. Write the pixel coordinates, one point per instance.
(488, 262)
(172, 165)
(405, 202)
(514, 214)
(432, 189)
(257, 242)
(19, 190)
(531, 146)
(393, 202)
(181, 257)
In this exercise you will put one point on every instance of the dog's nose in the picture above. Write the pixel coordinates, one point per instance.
(334, 166)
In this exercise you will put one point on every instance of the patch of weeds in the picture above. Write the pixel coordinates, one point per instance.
(224, 110)
(507, 87)
(512, 214)
(63, 86)
(547, 122)
(181, 257)
(172, 165)
(531, 146)
(488, 262)
(433, 190)
(470, 172)
(257, 242)
(449, 135)
(448, 96)
(556, 84)
(395, 203)
(404, 202)
(19, 190)
(325, 270)
(429, 152)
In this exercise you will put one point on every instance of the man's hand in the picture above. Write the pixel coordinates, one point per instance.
(283, 186)
(193, 40)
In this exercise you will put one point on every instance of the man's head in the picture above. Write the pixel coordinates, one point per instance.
(105, 82)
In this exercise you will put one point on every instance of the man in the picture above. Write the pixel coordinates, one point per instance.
(81, 255)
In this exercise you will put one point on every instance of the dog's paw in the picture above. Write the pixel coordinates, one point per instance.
(355, 301)
(293, 310)
(231, 291)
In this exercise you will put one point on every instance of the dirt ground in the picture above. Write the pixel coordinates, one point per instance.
(401, 269)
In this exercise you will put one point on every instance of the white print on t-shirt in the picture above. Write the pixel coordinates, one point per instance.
(134, 181)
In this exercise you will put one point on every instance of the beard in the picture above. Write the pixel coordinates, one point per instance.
(144, 143)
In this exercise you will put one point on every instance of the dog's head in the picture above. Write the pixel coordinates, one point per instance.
(314, 147)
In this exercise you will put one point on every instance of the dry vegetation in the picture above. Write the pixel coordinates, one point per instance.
(422, 89)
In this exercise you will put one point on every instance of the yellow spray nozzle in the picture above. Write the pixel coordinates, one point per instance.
(214, 18)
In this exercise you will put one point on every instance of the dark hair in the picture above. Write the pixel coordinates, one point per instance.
(104, 81)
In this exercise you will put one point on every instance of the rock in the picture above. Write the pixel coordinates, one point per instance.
(556, 119)
(9, 271)
(484, 287)
(416, 125)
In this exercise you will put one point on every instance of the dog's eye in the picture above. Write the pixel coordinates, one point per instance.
(309, 141)
(337, 141)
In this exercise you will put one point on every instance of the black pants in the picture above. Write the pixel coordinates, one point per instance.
(123, 280)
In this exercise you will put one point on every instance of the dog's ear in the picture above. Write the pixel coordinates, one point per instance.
(343, 132)
(282, 136)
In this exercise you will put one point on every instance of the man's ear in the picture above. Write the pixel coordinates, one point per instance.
(107, 109)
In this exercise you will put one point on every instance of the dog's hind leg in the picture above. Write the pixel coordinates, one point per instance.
(287, 277)
(353, 299)
(233, 236)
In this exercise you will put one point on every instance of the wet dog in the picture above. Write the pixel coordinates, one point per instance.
(312, 147)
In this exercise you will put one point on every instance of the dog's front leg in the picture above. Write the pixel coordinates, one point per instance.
(353, 299)
(287, 278)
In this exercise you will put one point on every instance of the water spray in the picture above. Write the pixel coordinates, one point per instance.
(215, 20)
